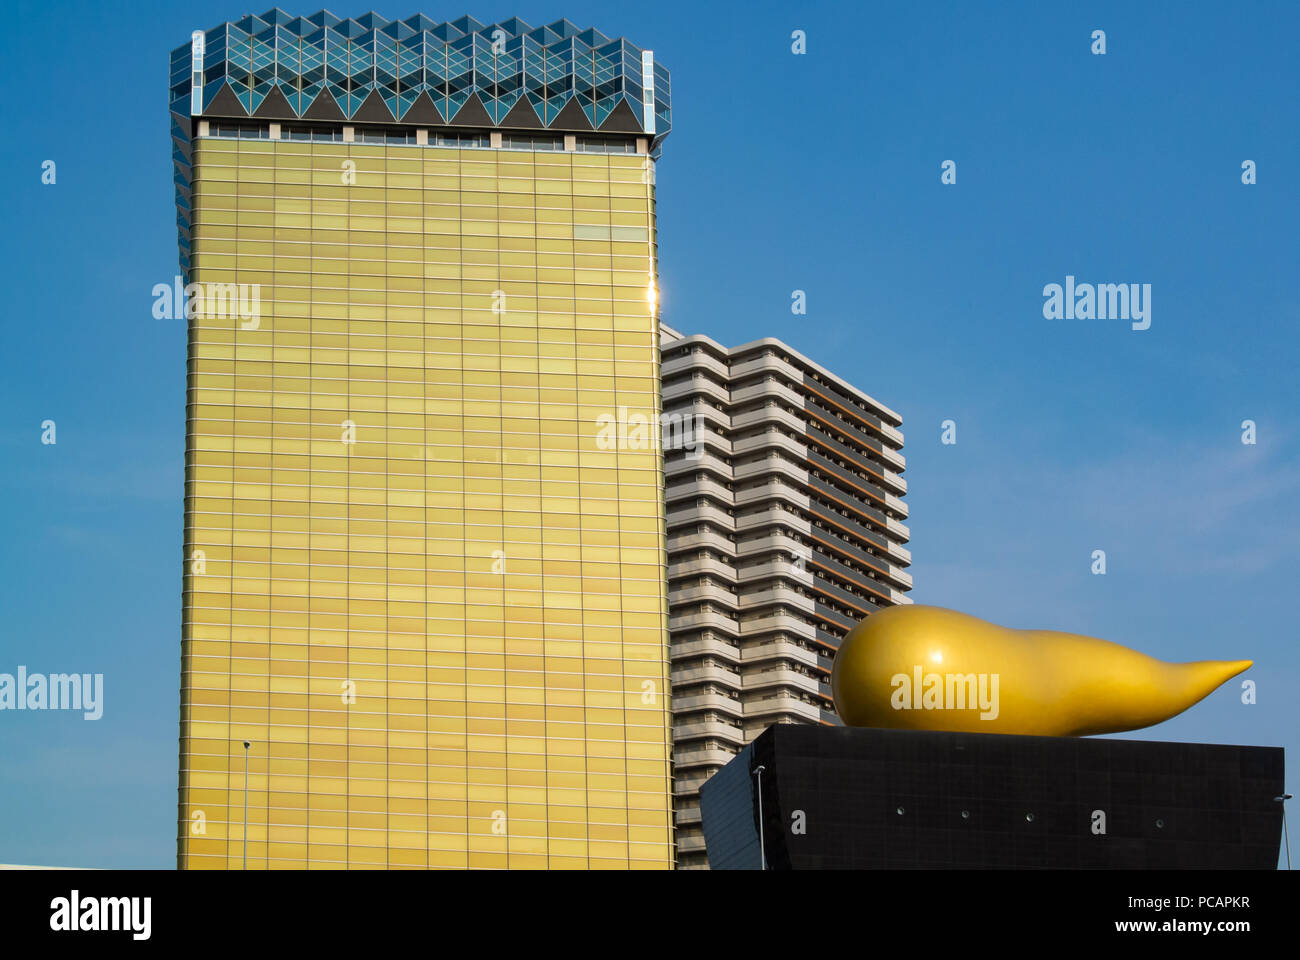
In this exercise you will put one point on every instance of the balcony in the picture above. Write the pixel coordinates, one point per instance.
(768, 363)
(837, 619)
(766, 389)
(713, 729)
(777, 567)
(783, 650)
(683, 489)
(777, 542)
(775, 707)
(846, 525)
(775, 415)
(770, 465)
(700, 358)
(770, 439)
(780, 677)
(708, 512)
(749, 494)
(703, 620)
(712, 758)
(678, 463)
(703, 565)
(715, 702)
(690, 844)
(745, 522)
(777, 622)
(702, 647)
(692, 540)
(830, 545)
(864, 490)
(711, 673)
(698, 383)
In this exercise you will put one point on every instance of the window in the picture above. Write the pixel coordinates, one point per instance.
(599, 145)
(226, 128)
(518, 142)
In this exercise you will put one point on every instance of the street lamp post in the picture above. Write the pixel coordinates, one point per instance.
(762, 850)
(247, 744)
(1285, 836)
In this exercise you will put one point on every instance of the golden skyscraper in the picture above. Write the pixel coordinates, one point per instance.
(419, 581)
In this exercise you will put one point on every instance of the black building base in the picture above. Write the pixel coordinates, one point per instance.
(856, 798)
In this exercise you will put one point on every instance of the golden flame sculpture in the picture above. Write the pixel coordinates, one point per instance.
(927, 668)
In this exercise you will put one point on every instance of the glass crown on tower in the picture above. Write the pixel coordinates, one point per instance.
(417, 70)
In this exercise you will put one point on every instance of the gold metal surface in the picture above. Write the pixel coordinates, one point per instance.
(416, 581)
(928, 668)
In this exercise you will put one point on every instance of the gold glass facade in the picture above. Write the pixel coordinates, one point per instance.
(415, 581)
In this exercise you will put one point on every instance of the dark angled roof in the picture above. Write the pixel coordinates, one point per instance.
(371, 70)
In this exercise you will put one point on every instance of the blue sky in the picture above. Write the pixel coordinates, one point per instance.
(818, 172)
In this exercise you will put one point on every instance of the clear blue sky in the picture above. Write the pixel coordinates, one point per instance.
(818, 172)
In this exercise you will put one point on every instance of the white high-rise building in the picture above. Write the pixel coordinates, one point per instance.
(784, 508)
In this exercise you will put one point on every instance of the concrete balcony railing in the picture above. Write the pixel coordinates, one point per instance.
(703, 620)
(720, 595)
(687, 815)
(780, 677)
(901, 575)
(705, 647)
(690, 844)
(780, 650)
(700, 358)
(706, 565)
(696, 514)
(865, 428)
(697, 385)
(835, 548)
(705, 674)
(744, 522)
(767, 364)
(892, 433)
(771, 490)
(696, 406)
(777, 623)
(715, 702)
(893, 457)
(794, 477)
(712, 758)
(776, 416)
(769, 440)
(783, 706)
(767, 389)
(690, 539)
(756, 600)
(732, 733)
(866, 586)
(777, 566)
(689, 786)
(676, 464)
(899, 483)
(683, 489)
(774, 543)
